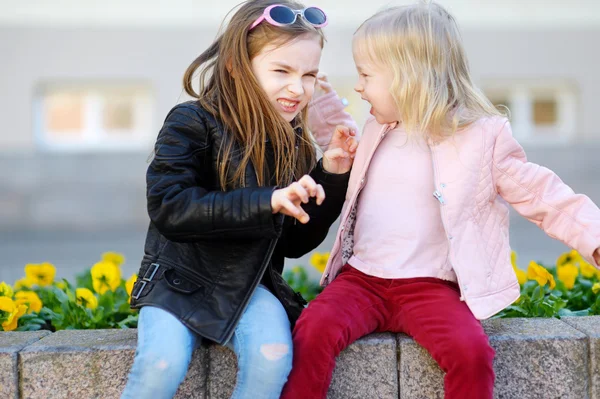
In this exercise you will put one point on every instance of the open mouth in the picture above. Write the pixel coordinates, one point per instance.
(288, 105)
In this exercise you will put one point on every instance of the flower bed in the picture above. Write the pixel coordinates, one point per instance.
(99, 298)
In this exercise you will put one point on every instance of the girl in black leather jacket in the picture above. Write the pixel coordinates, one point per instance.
(234, 187)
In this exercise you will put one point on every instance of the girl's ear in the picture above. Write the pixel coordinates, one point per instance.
(229, 65)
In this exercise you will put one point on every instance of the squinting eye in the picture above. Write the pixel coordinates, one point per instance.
(280, 71)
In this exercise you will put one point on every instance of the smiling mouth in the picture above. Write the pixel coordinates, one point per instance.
(288, 105)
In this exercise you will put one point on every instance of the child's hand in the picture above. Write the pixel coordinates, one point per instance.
(342, 148)
(597, 256)
(322, 86)
(288, 200)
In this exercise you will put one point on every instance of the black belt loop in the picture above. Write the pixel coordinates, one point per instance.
(145, 280)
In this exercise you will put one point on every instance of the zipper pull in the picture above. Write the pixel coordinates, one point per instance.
(439, 197)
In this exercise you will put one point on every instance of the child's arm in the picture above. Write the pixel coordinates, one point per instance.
(332, 172)
(299, 238)
(325, 112)
(539, 195)
(179, 203)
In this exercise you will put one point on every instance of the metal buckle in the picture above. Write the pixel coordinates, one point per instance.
(153, 269)
(145, 280)
(139, 291)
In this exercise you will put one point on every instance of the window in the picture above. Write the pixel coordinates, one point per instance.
(541, 112)
(545, 112)
(76, 117)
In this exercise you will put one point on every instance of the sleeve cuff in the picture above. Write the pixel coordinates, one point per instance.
(268, 220)
(321, 176)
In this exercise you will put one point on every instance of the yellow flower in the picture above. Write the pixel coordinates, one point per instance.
(23, 283)
(86, 298)
(6, 290)
(114, 257)
(596, 288)
(30, 299)
(61, 285)
(105, 276)
(540, 274)
(567, 273)
(129, 283)
(319, 260)
(569, 257)
(10, 313)
(521, 275)
(587, 270)
(41, 274)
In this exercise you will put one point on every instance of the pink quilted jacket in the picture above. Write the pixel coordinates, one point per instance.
(477, 172)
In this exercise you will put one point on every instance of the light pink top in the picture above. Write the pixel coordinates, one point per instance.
(399, 231)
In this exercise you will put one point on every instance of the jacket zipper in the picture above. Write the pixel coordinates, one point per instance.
(263, 268)
(255, 284)
(438, 195)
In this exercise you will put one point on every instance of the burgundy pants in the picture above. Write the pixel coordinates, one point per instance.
(428, 309)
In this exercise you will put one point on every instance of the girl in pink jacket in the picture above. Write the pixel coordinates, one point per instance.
(423, 243)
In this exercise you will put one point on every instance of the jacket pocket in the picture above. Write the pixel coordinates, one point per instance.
(179, 282)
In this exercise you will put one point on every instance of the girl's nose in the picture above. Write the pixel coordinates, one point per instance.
(296, 88)
(358, 88)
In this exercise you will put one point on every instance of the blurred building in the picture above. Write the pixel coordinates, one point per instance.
(85, 86)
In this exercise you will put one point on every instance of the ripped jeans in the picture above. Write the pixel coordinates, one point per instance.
(262, 343)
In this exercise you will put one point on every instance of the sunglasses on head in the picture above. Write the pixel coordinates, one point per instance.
(280, 15)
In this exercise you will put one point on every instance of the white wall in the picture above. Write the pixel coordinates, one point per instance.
(194, 13)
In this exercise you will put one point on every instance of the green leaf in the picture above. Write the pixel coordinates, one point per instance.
(29, 327)
(518, 309)
(84, 280)
(538, 294)
(584, 283)
(61, 296)
(129, 322)
(567, 312)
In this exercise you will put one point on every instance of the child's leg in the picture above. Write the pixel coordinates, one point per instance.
(349, 308)
(432, 313)
(263, 345)
(163, 354)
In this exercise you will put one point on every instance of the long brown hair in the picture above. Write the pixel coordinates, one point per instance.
(240, 102)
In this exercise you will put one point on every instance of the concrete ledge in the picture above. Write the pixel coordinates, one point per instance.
(10, 345)
(590, 326)
(535, 358)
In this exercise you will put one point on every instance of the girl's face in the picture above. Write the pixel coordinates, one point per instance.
(374, 82)
(287, 73)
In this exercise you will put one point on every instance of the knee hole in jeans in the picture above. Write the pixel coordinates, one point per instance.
(274, 352)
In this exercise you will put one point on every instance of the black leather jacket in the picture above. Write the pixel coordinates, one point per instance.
(206, 249)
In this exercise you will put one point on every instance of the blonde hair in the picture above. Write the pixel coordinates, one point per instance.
(432, 85)
(241, 104)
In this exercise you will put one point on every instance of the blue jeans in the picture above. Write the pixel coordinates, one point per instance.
(262, 343)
